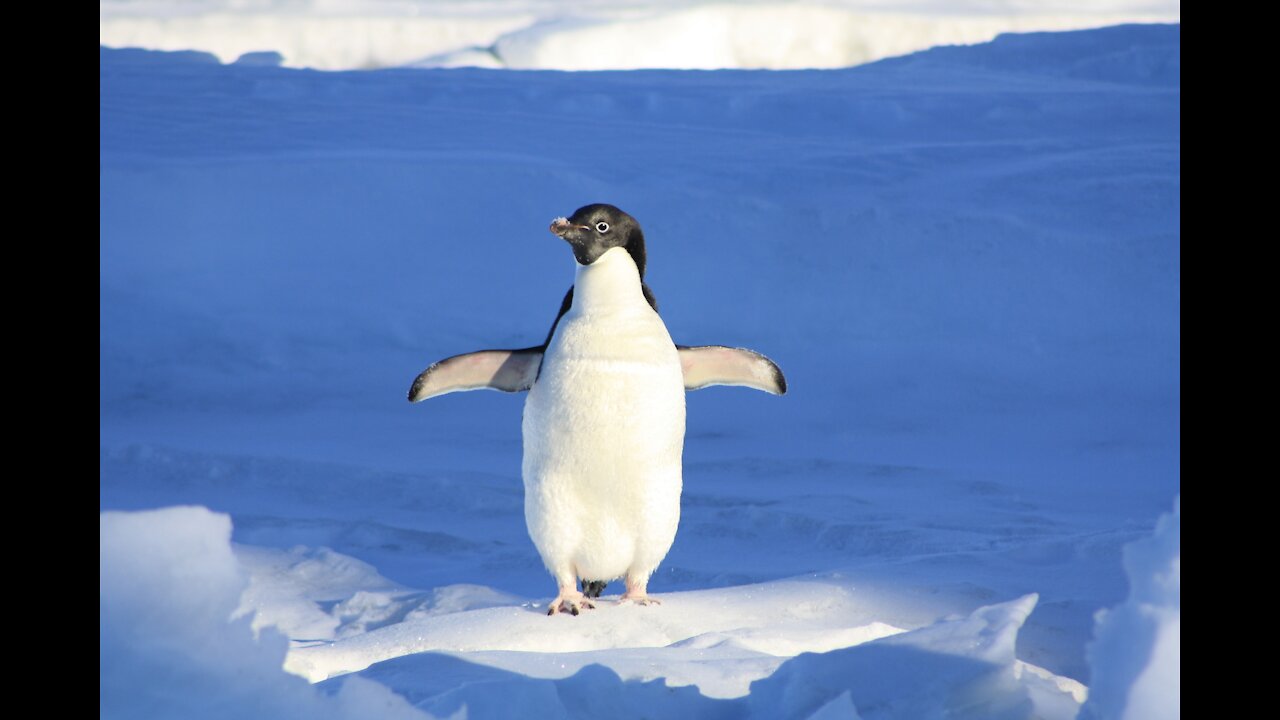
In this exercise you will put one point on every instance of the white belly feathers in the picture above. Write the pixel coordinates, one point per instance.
(604, 432)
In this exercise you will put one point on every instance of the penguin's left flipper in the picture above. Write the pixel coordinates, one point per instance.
(505, 370)
(707, 365)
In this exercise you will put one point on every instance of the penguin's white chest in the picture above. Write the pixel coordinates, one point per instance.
(604, 432)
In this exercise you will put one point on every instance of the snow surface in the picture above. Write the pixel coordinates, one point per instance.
(168, 646)
(1136, 656)
(172, 647)
(966, 261)
(599, 35)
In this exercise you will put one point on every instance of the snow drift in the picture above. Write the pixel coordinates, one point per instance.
(591, 35)
(169, 646)
(760, 36)
(1136, 655)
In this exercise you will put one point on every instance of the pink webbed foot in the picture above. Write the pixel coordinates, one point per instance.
(571, 603)
(636, 593)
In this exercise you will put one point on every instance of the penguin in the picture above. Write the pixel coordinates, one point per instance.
(604, 419)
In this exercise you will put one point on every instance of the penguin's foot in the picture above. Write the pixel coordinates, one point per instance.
(571, 602)
(639, 598)
(637, 591)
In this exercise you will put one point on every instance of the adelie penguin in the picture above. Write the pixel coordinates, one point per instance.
(604, 420)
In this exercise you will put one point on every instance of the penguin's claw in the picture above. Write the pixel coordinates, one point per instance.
(570, 605)
(640, 600)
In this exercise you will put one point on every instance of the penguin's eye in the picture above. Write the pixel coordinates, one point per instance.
(602, 227)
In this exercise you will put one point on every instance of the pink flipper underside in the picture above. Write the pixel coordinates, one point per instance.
(708, 365)
(505, 370)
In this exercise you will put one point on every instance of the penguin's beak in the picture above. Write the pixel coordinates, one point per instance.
(560, 226)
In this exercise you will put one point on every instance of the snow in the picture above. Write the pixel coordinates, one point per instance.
(171, 581)
(1136, 656)
(169, 644)
(778, 619)
(774, 36)
(963, 669)
(965, 260)
(559, 35)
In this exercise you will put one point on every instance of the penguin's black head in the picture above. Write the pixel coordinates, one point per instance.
(594, 229)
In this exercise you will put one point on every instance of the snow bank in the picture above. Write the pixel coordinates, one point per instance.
(305, 36)
(764, 36)
(776, 619)
(169, 647)
(962, 668)
(1136, 655)
(287, 589)
(599, 35)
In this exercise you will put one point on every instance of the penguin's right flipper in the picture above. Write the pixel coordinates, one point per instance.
(707, 365)
(505, 370)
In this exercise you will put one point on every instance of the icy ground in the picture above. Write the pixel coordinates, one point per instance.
(592, 34)
(966, 260)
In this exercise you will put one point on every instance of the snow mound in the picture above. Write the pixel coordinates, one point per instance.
(1136, 654)
(173, 644)
(772, 619)
(286, 588)
(549, 34)
(959, 669)
(317, 595)
(756, 36)
(963, 668)
(168, 587)
(306, 37)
